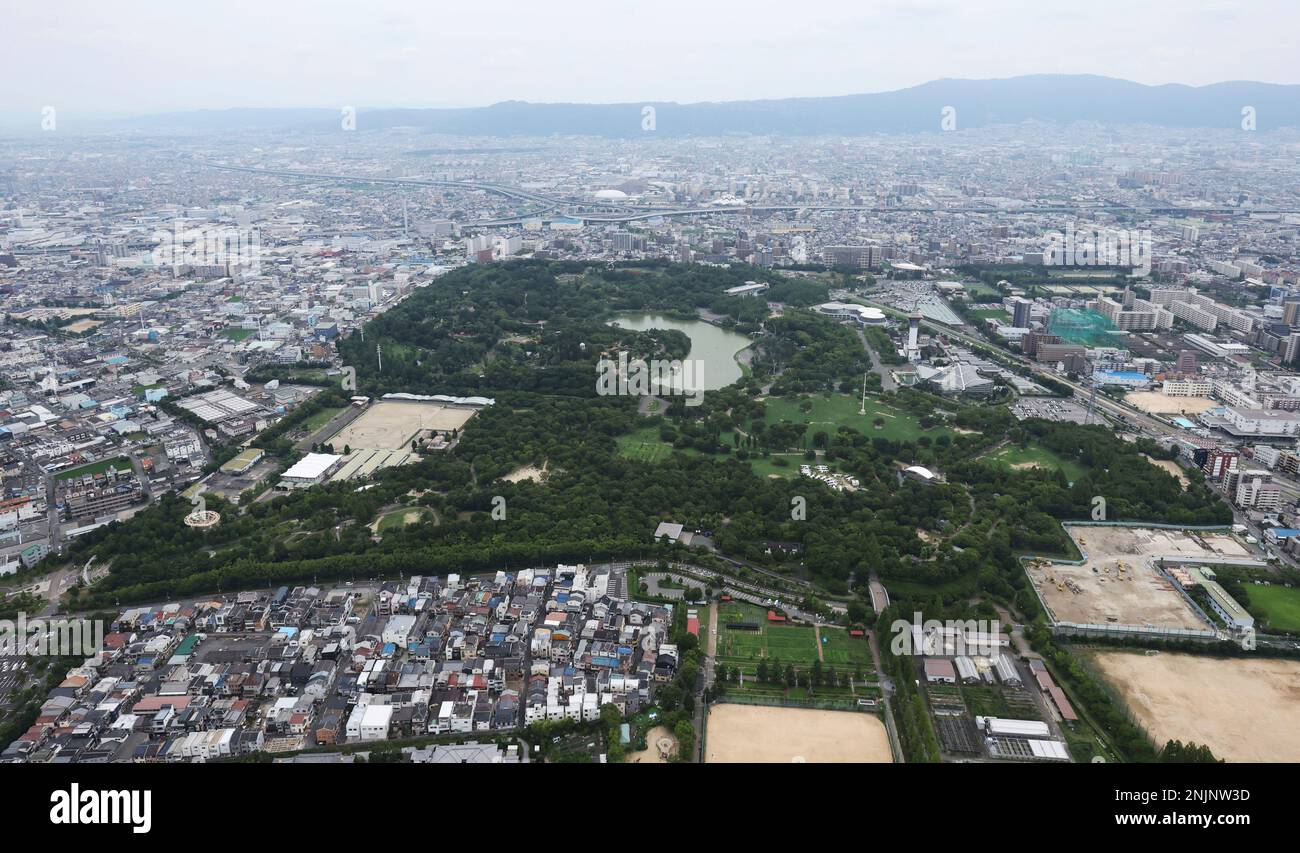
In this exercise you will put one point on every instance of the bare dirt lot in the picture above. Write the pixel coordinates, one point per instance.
(1242, 709)
(765, 734)
(1156, 403)
(390, 425)
(1123, 590)
(1173, 468)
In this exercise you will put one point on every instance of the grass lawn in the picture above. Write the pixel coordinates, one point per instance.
(121, 463)
(236, 334)
(397, 518)
(1035, 456)
(827, 413)
(790, 644)
(980, 288)
(996, 313)
(830, 412)
(644, 445)
(844, 652)
(1278, 606)
(321, 418)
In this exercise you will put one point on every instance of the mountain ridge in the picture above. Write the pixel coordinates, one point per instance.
(1050, 98)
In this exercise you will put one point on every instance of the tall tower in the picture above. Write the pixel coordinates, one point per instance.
(913, 333)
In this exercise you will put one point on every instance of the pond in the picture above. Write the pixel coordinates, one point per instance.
(716, 347)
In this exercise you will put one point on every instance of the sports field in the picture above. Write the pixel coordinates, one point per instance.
(789, 644)
(389, 425)
(775, 735)
(121, 463)
(1243, 709)
(1278, 606)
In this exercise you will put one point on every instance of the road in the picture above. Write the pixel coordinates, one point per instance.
(887, 382)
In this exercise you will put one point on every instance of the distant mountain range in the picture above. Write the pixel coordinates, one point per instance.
(975, 103)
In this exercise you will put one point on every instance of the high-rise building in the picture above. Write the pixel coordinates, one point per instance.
(1020, 313)
(1187, 361)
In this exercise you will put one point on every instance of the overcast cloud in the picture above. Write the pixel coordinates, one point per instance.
(102, 58)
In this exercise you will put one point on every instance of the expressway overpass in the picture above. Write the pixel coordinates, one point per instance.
(636, 213)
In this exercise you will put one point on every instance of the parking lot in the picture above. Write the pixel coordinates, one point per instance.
(1051, 409)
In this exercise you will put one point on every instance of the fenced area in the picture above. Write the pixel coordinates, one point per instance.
(391, 425)
(770, 733)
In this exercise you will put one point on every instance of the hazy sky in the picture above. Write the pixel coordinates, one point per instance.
(91, 56)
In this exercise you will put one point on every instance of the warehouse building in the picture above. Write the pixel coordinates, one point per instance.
(310, 470)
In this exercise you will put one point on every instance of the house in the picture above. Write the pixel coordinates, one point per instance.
(940, 671)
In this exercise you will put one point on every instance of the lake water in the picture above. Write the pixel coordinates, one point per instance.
(715, 346)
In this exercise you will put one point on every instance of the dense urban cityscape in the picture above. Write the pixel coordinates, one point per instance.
(935, 425)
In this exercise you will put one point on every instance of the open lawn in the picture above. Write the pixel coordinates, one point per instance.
(827, 413)
(321, 418)
(1036, 457)
(1277, 606)
(399, 518)
(644, 445)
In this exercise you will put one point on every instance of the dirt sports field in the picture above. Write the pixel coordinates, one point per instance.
(1243, 709)
(772, 735)
(389, 425)
(1156, 403)
(1123, 590)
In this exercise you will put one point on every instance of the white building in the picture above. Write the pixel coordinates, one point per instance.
(310, 470)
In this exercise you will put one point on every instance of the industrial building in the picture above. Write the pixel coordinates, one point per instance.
(310, 470)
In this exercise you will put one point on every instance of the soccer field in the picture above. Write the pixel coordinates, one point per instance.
(1278, 606)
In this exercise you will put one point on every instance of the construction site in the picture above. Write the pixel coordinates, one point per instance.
(1119, 587)
(1085, 327)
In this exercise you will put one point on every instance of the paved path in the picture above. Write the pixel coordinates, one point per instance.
(887, 382)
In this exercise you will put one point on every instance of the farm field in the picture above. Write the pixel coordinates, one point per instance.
(1278, 606)
(768, 734)
(1242, 709)
(1034, 456)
